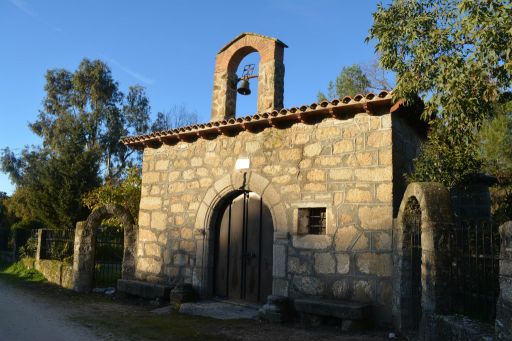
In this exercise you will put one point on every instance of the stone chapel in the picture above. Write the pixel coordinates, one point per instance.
(293, 202)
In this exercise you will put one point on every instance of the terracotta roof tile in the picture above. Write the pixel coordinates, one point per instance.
(336, 106)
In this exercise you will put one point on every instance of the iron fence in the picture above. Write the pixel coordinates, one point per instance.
(474, 269)
(57, 244)
(108, 257)
(412, 261)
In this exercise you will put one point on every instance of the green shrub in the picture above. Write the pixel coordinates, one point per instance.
(29, 249)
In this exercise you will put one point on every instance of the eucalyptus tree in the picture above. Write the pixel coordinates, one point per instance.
(90, 99)
(83, 116)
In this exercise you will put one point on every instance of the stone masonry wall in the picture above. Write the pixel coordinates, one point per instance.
(503, 326)
(406, 147)
(54, 271)
(343, 165)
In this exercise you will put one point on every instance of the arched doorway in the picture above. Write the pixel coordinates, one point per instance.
(412, 262)
(243, 249)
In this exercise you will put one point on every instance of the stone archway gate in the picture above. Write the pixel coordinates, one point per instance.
(83, 259)
(434, 202)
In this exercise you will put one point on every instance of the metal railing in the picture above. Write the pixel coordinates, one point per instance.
(474, 249)
(108, 257)
(57, 244)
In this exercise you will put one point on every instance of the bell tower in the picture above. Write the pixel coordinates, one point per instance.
(270, 78)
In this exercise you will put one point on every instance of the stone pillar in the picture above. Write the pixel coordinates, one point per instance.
(503, 326)
(130, 251)
(200, 273)
(224, 95)
(83, 258)
(270, 74)
(39, 243)
(270, 86)
(279, 268)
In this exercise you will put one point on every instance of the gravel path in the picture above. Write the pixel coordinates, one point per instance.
(25, 318)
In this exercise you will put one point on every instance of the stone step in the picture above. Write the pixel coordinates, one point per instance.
(344, 310)
(144, 289)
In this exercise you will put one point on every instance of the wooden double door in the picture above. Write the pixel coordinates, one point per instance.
(244, 247)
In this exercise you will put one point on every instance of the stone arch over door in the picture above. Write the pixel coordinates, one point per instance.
(207, 216)
(83, 259)
(270, 80)
(436, 220)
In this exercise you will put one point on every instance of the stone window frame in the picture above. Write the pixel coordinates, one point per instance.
(313, 241)
(304, 221)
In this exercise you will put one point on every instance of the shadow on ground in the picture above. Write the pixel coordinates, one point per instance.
(118, 317)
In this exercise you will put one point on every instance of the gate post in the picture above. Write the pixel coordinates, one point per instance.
(39, 244)
(130, 250)
(436, 220)
(503, 326)
(83, 258)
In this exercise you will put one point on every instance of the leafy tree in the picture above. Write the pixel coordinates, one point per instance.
(380, 79)
(177, 116)
(441, 161)
(137, 112)
(455, 55)
(89, 99)
(125, 192)
(6, 216)
(495, 142)
(350, 81)
(48, 185)
(358, 79)
(495, 139)
(137, 109)
(81, 121)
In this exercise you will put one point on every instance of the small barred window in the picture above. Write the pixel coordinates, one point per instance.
(311, 220)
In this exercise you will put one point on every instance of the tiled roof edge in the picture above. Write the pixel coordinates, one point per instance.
(337, 106)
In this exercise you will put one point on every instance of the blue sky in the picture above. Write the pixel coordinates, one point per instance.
(169, 47)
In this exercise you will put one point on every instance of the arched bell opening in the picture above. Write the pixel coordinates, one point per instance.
(247, 85)
(270, 75)
(243, 251)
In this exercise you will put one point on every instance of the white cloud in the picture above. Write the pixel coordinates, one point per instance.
(24, 7)
(129, 71)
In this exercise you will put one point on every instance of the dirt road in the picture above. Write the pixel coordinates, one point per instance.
(40, 312)
(25, 318)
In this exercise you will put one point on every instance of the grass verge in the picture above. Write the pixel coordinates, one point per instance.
(18, 271)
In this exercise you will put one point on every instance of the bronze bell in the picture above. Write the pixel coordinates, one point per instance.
(243, 87)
